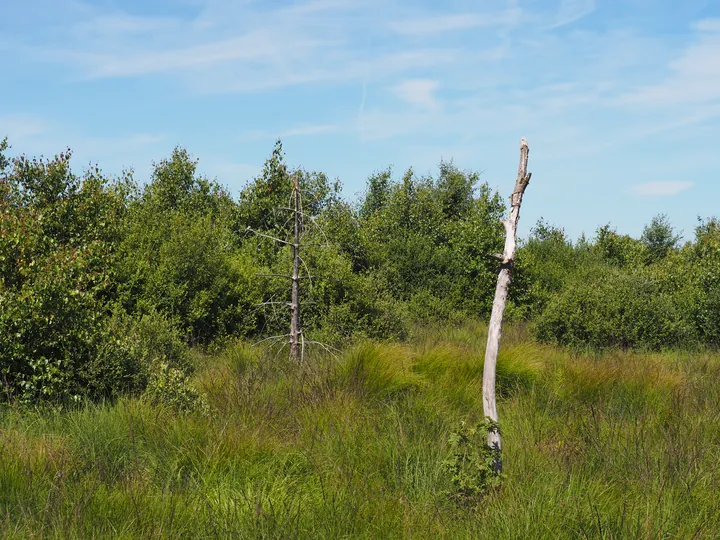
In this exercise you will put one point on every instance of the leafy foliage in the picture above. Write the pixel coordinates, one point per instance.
(704, 262)
(58, 235)
(542, 266)
(472, 464)
(171, 387)
(659, 238)
(178, 256)
(615, 249)
(430, 237)
(103, 278)
(604, 307)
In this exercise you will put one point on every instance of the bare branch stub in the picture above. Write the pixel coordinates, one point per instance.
(279, 240)
(523, 178)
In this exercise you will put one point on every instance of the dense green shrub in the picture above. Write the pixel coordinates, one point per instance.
(412, 249)
(63, 334)
(604, 306)
(543, 264)
(179, 256)
(430, 236)
(618, 250)
(172, 388)
(658, 239)
(263, 205)
(138, 343)
(58, 234)
(704, 267)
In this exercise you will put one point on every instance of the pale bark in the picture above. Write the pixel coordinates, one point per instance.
(501, 293)
(295, 292)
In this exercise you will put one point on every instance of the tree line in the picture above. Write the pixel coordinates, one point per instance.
(104, 278)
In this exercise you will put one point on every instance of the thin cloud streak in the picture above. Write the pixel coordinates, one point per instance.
(21, 126)
(439, 24)
(694, 76)
(571, 11)
(661, 189)
(299, 131)
(418, 92)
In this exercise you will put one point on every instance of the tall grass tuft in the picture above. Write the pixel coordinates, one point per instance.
(378, 370)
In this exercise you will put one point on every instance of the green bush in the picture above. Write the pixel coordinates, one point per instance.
(659, 239)
(102, 279)
(134, 344)
(472, 464)
(171, 387)
(179, 256)
(58, 234)
(619, 250)
(367, 312)
(606, 307)
(429, 236)
(704, 270)
(543, 264)
(63, 335)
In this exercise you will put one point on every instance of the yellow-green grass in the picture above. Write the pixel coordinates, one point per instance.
(621, 445)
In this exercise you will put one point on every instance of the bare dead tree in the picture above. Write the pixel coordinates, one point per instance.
(295, 339)
(501, 292)
(295, 330)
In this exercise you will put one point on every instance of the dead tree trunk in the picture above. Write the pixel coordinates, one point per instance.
(501, 293)
(295, 331)
(297, 340)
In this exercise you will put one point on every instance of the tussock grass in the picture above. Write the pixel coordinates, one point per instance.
(378, 371)
(622, 445)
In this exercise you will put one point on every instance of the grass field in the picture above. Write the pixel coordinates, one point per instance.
(620, 445)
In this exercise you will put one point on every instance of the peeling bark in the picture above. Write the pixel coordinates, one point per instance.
(501, 293)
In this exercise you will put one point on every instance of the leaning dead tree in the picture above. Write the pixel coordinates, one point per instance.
(501, 293)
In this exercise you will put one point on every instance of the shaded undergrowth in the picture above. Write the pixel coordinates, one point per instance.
(623, 445)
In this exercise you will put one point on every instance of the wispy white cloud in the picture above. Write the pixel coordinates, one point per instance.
(440, 23)
(571, 11)
(694, 75)
(327, 67)
(258, 46)
(418, 92)
(22, 126)
(115, 25)
(252, 47)
(297, 131)
(708, 25)
(320, 6)
(235, 47)
(661, 189)
(587, 94)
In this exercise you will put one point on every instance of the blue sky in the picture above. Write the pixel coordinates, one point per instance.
(619, 100)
